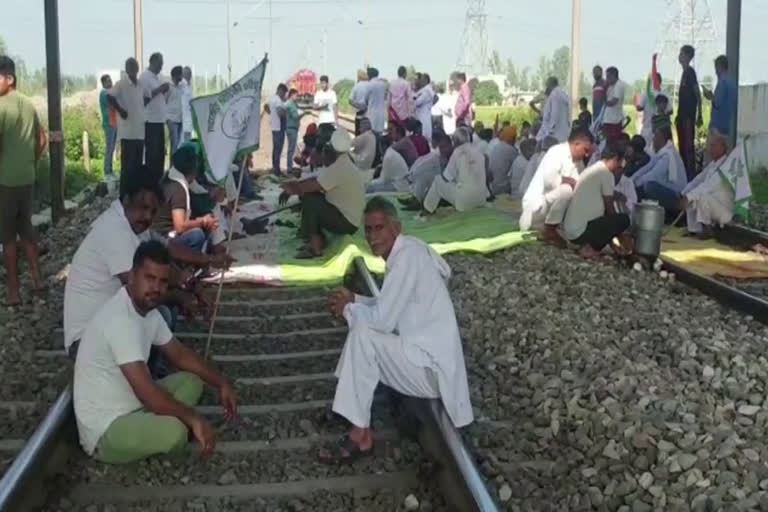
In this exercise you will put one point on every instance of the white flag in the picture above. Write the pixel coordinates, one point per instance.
(735, 173)
(229, 123)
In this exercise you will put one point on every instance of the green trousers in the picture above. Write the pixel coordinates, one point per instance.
(141, 434)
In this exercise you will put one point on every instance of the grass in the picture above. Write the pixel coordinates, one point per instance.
(759, 182)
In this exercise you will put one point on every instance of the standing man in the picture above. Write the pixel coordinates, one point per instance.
(276, 106)
(292, 120)
(614, 106)
(463, 109)
(155, 93)
(108, 124)
(357, 98)
(175, 115)
(327, 103)
(406, 338)
(22, 141)
(186, 109)
(598, 91)
(556, 116)
(723, 100)
(400, 98)
(376, 101)
(127, 97)
(423, 103)
(688, 111)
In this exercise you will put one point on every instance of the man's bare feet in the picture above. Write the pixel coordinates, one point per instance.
(588, 253)
(550, 235)
(356, 444)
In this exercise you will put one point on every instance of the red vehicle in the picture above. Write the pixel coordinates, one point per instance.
(304, 81)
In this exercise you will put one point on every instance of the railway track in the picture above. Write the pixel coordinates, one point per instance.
(279, 347)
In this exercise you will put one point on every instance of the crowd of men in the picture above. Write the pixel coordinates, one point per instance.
(135, 384)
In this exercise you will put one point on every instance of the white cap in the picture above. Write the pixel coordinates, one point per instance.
(341, 141)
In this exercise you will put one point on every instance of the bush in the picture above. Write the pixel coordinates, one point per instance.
(76, 178)
(343, 90)
(76, 120)
(487, 93)
(515, 115)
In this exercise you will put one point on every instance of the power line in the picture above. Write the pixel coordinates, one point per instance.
(473, 54)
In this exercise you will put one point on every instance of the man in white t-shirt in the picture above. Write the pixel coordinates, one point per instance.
(122, 414)
(326, 103)
(174, 120)
(102, 262)
(592, 221)
(186, 108)
(127, 98)
(155, 94)
(613, 118)
(276, 109)
(549, 192)
(333, 201)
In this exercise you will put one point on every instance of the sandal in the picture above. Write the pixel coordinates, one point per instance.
(343, 451)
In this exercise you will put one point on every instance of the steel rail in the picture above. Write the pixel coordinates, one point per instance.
(437, 420)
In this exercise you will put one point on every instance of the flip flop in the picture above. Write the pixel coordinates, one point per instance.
(338, 449)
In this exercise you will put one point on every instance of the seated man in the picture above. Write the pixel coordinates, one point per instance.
(709, 199)
(663, 178)
(636, 156)
(333, 201)
(591, 220)
(551, 188)
(463, 183)
(122, 414)
(534, 161)
(407, 338)
(174, 217)
(482, 139)
(393, 176)
(420, 142)
(402, 144)
(520, 166)
(425, 170)
(364, 146)
(501, 156)
(102, 262)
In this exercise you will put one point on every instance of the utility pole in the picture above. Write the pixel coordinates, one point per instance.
(138, 32)
(55, 139)
(732, 51)
(229, 44)
(473, 56)
(575, 53)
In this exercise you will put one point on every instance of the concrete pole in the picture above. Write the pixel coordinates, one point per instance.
(55, 139)
(575, 74)
(732, 47)
(138, 32)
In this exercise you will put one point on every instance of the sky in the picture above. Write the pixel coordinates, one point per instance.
(337, 36)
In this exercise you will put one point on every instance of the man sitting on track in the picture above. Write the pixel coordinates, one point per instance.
(591, 220)
(551, 188)
(332, 201)
(708, 199)
(406, 338)
(663, 178)
(122, 414)
(364, 146)
(103, 261)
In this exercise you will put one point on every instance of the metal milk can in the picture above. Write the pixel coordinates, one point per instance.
(648, 227)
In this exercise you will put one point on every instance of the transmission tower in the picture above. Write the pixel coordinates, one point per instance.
(473, 53)
(688, 22)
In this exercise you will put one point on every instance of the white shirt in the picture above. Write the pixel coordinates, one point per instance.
(480, 144)
(707, 182)
(557, 164)
(615, 114)
(516, 175)
(156, 109)
(500, 158)
(445, 103)
(414, 301)
(276, 105)
(357, 95)
(376, 103)
(326, 102)
(364, 150)
(530, 170)
(393, 170)
(422, 105)
(105, 252)
(556, 116)
(174, 103)
(344, 188)
(130, 97)
(117, 335)
(186, 109)
(466, 168)
(587, 204)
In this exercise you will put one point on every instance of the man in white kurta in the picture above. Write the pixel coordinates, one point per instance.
(406, 338)
(551, 187)
(555, 117)
(463, 183)
(422, 105)
(364, 146)
(708, 199)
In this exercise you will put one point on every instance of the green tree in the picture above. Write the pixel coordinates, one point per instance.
(343, 90)
(3, 46)
(513, 77)
(559, 65)
(542, 73)
(487, 93)
(495, 64)
(524, 80)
